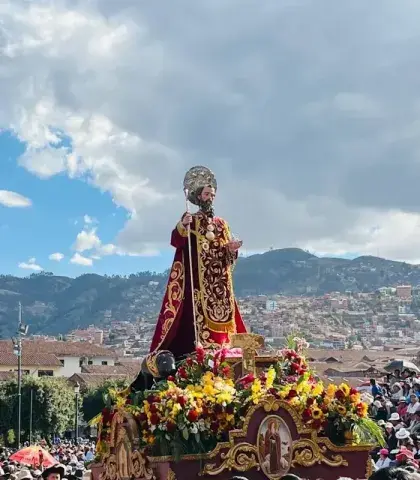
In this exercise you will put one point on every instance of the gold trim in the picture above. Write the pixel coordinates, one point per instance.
(369, 467)
(241, 457)
(174, 294)
(171, 475)
(181, 229)
(307, 453)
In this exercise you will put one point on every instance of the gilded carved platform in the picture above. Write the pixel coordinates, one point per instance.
(272, 442)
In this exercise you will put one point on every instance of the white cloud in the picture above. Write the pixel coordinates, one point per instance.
(13, 199)
(87, 240)
(312, 136)
(30, 265)
(88, 220)
(57, 257)
(45, 162)
(78, 259)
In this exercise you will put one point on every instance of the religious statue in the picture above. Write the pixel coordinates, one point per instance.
(199, 306)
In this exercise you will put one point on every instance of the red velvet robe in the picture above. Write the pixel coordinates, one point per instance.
(216, 310)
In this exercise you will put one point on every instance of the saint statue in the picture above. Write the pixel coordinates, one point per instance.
(199, 305)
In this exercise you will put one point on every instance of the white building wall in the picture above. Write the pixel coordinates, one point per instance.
(71, 366)
(99, 360)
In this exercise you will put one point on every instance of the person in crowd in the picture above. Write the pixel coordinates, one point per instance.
(402, 407)
(413, 407)
(383, 460)
(376, 389)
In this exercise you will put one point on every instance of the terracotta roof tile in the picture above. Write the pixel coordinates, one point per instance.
(30, 357)
(96, 379)
(61, 349)
(126, 369)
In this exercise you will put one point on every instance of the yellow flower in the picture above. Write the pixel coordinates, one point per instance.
(271, 376)
(345, 388)
(317, 389)
(317, 413)
(331, 389)
(341, 409)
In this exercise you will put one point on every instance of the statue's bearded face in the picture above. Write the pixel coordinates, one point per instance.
(206, 199)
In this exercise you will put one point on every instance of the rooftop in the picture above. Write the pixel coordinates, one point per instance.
(60, 348)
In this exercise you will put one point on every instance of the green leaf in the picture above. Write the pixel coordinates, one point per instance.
(186, 433)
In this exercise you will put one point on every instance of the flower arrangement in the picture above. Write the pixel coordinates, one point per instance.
(196, 408)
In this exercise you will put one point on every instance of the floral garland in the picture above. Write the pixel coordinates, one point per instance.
(196, 408)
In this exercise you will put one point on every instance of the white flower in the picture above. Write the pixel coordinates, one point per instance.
(194, 429)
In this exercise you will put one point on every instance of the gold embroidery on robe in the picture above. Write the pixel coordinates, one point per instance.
(215, 279)
(175, 293)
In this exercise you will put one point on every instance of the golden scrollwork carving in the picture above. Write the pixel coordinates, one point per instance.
(140, 467)
(110, 471)
(241, 457)
(171, 475)
(308, 453)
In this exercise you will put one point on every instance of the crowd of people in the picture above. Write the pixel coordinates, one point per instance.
(395, 406)
(72, 461)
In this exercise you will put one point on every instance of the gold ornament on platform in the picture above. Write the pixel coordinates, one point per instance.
(250, 343)
(241, 457)
(308, 453)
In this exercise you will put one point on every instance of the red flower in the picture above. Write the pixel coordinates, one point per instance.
(247, 379)
(292, 394)
(353, 391)
(128, 401)
(182, 372)
(214, 427)
(154, 419)
(182, 400)
(200, 352)
(306, 414)
(189, 361)
(170, 427)
(339, 394)
(142, 417)
(310, 402)
(192, 416)
(317, 423)
(226, 370)
(153, 408)
(153, 399)
(171, 378)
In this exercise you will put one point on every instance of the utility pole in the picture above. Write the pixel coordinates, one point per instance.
(30, 417)
(19, 349)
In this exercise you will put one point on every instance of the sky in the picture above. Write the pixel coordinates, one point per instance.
(308, 113)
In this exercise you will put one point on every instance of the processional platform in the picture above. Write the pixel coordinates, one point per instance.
(273, 440)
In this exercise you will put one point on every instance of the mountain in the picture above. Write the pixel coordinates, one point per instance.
(57, 304)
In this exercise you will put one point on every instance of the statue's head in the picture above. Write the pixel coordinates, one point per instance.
(205, 198)
(159, 364)
(165, 363)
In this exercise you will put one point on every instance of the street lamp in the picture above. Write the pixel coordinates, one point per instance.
(22, 330)
(76, 415)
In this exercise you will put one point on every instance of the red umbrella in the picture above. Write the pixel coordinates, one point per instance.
(34, 456)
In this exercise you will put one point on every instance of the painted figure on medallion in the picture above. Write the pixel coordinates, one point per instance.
(274, 447)
(199, 304)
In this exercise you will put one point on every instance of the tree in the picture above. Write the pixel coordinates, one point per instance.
(53, 406)
(93, 398)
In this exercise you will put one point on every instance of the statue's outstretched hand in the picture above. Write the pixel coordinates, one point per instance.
(234, 245)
